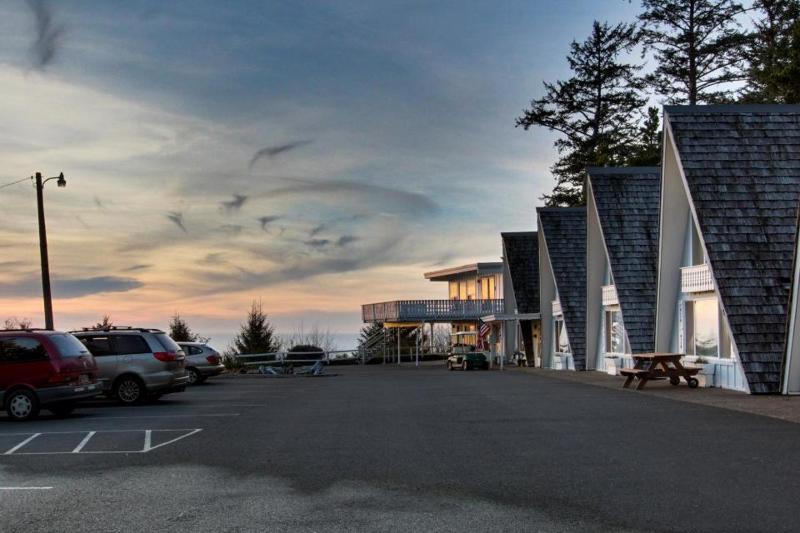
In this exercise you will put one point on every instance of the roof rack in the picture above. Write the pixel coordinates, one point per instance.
(118, 328)
(26, 329)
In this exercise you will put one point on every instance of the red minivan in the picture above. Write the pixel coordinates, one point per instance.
(44, 369)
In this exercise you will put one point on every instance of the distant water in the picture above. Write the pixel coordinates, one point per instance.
(342, 341)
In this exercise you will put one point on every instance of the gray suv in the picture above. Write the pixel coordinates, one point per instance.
(202, 361)
(136, 363)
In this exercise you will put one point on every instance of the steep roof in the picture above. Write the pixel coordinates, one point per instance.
(564, 230)
(742, 166)
(521, 251)
(628, 202)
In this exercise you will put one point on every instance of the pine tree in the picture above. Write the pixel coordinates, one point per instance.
(773, 53)
(256, 334)
(698, 46)
(180, 331)
(595, 110)
(645, 150)
(105, 323)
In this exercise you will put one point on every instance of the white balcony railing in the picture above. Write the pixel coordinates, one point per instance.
(610, 295)
(696, 278)
(556, 307)
(430, 310)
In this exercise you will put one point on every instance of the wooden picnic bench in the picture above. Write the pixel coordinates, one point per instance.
(649, 366)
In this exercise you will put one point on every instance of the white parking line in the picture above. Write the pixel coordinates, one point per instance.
(147, 446)
(21, 444)
(83, 443)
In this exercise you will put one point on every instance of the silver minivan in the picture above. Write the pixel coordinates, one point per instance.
(135, 364)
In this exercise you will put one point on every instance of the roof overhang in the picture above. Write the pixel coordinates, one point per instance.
(446, 274)
(509, 318)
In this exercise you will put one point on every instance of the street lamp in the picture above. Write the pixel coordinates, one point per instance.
(48, 299)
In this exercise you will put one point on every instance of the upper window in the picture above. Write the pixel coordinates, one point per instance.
(21, 349)
(453, 292)
(192, 350)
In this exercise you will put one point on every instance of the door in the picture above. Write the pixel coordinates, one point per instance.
(104, 355)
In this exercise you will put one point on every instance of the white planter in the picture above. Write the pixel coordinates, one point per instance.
(613, 365)
(558, 362)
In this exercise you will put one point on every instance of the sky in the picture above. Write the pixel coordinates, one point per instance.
(313, 155)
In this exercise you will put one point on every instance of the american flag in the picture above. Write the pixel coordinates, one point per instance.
(485, 329)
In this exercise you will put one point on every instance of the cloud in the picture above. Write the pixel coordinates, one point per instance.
(99, 203)
(177, 219)
(70, 288)
(231, 229)
(266, 220)
(344, 240)
(394, 200)
(316, 230)
(135, 268)
(272, 151)
(233, 205)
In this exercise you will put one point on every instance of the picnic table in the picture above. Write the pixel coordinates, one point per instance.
(649, 366)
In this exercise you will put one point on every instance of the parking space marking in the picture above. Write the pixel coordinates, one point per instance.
(85, 441)
(21, 444)
(146, 436)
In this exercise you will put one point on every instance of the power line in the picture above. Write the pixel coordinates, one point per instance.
(13, 183)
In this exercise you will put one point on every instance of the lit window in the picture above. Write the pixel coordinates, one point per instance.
(615, 331)
(702, 327)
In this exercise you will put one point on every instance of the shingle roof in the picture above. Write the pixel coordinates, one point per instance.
(628, 202)
(564, 232)
(742, 166)
(521, 251)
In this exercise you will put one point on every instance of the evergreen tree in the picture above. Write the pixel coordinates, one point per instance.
(179, 330)
(105, 323)
(256, 334)
(595, 110)
(698, 45)
(645, 150)
(773, 53)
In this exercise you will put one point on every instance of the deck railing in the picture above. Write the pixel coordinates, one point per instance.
(430, 310)
(696, 278)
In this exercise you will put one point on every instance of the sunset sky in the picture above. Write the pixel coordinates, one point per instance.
(316, 155)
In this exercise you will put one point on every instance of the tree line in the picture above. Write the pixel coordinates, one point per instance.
(700, 52)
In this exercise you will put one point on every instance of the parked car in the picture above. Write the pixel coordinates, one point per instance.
(136, 363)
(202, 361)
(460, 348)
(44, 369)
(468, 361)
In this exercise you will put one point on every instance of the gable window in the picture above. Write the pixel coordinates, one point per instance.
(702, 327)
(560, 339)
(614, 332)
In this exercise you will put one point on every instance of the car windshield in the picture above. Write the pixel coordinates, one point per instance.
(69, 346)
(168, 344)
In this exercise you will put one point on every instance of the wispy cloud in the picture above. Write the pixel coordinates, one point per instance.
(272, 151)
(48, 34)
(266, 220)
(317, 244)
(70, 288)
(136, 268)
(344, 240)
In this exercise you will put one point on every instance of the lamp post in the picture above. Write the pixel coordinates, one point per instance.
(48, 299)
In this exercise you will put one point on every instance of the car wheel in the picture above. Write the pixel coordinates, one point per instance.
(194, 376)
(63, 409)
(22, 405)
(129, 390)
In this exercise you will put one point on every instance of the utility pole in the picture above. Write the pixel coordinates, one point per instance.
(48, 298)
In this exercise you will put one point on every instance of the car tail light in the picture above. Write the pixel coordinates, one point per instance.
(62, 378)
(168, 357)
(213, 359)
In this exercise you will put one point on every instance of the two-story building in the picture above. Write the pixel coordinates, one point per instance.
(473, 291)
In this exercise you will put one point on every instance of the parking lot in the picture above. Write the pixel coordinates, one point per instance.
(386, 449)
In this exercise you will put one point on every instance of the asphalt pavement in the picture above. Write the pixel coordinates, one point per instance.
(381, 448)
